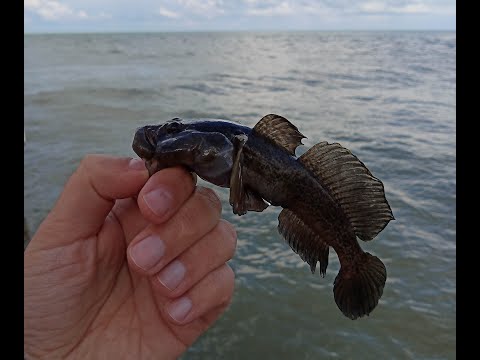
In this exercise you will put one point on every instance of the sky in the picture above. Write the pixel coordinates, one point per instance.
(236, 15)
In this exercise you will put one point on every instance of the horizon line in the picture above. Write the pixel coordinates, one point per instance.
(75, 32)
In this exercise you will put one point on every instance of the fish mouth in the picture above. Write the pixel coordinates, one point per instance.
(151, 165)
(143, 143)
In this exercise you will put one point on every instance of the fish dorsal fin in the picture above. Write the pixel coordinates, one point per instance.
(303, 240)
(242, 199)
(279, 130)
(360, 195)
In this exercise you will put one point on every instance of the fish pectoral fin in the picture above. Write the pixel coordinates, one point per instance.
(303, 240)
(242, 199)
(360, 195)
(280, 131)
(237, 193)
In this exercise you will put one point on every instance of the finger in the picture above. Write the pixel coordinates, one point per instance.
(155, 247)
(128, 214)
(123, 223)
(176, 184)
(90, 194)
(213, 291)
(164, 193)
(190, 332)
(213, 250)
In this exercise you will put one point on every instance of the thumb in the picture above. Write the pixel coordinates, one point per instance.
(89, 195)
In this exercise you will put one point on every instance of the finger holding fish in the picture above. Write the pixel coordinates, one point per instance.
(156, 246)
(164, 194)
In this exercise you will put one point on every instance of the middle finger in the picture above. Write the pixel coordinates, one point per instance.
(206, 255)
(157, 245)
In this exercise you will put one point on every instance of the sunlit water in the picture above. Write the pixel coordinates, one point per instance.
(389, 97)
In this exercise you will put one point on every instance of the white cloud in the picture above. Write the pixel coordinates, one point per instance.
(206, 8)
(373, 7)
(82, 14)
(238, 14)
(168, 13)
(409, 7)
(53, 10)
(103, 15)
(415, 9)
(342, 7)
(284, 8)
(253, 2)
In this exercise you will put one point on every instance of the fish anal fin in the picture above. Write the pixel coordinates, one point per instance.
(280, 131)
(360, 195)
(303, 240)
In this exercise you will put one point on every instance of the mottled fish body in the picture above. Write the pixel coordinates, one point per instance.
(328, 196)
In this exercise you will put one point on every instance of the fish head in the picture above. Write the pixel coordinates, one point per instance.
(176, 142)
(147, 137)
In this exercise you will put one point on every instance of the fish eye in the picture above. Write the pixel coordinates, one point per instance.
(173, 126)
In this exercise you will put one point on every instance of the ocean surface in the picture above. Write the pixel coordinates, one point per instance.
(387, 96)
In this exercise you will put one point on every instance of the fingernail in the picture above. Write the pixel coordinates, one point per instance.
(172, 275)
(179, 309)
(147, 252)
(159, 201)
(137, 164)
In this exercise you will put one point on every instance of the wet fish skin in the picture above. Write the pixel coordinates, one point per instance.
(260, 167)
(193, 144)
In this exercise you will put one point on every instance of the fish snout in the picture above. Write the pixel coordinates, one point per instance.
(144, 143)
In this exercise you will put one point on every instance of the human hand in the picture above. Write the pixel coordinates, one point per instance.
(126, 266)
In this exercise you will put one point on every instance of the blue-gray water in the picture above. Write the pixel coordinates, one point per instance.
(389, 97)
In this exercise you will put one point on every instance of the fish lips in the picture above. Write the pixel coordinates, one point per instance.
(144, 143)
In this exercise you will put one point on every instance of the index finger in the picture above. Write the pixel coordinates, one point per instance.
(164, 193)
(89, 195)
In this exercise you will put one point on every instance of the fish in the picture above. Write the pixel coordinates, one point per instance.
(328, 196)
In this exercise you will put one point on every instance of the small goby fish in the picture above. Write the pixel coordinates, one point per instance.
(328, 196)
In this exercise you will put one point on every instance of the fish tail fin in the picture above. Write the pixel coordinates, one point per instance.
(358, 288)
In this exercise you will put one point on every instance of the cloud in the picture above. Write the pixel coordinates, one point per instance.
(377, 7)
(53, 10)
(205, 8)
(343, 7)
(128, 15)
(282, 9)
(168, 13)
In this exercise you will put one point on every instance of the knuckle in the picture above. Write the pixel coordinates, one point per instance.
(204, 209)
(89, 163)
(86, 162)
(188, 178)
(228, 236)
(210, 197)
(230, 275)
(185, 225)
(89, 159)
(229, 284)
(187, 182)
